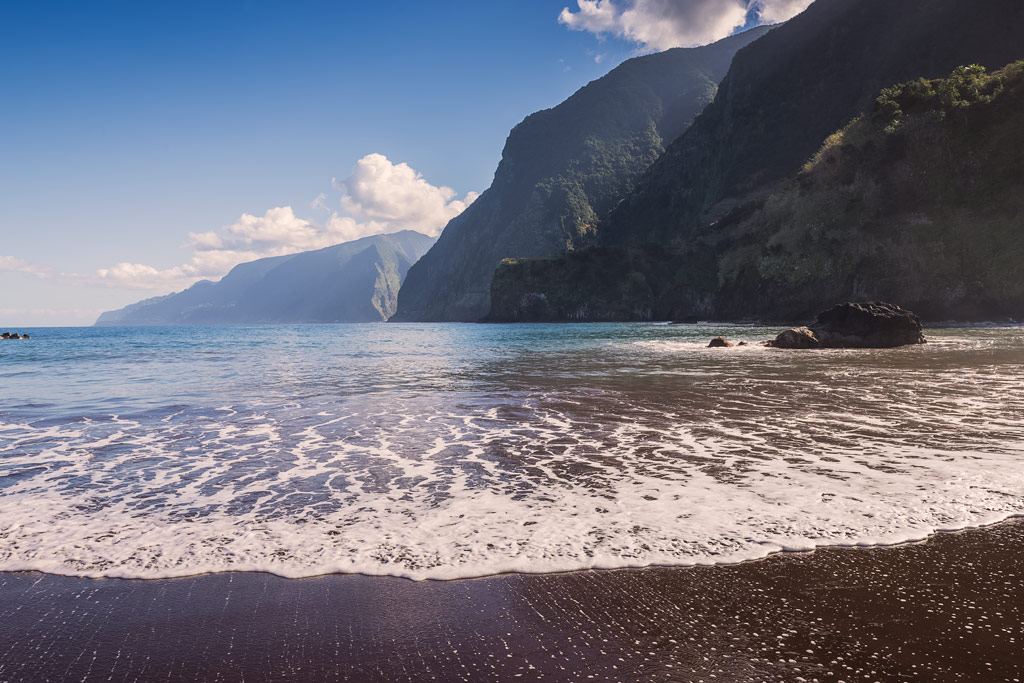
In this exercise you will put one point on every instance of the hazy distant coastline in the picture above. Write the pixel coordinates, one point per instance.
(355, 281)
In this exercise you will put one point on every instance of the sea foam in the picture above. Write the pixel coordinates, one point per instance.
(688, 456)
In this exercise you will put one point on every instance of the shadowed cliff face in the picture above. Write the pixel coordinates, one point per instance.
(561, 170)
(356, 281)
(919, 201)
(788, 91)
(737, 234)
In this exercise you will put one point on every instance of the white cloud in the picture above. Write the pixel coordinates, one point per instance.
(138, 276)
(9, 263)
(774, 11)
(277, 229)
(398, 196)
(276, 233)
(381, 197)
(663, 24)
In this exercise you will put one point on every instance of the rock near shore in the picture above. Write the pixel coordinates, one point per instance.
(797, 338)
(872, 325)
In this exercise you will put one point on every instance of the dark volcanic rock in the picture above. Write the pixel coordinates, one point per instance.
(720, 343)
(797, 338)
(872, 325)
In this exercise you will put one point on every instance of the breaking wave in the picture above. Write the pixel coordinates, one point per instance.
(526, 451)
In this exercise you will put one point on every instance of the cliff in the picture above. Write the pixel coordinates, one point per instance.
(562, 169)
(919, 201)
(355, 281)
(795, 86)
(697, 232)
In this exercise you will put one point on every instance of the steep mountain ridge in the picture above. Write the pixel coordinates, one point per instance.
(356, 281)
(561, 170)
(663, 246)
(789, 90)
(919, 201)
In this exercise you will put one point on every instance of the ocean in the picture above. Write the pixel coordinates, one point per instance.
(453, 451)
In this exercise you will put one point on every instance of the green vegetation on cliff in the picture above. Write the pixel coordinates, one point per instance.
(924, 213)
(919, 201)
(789, 90)
(561, 170)
(598, 285)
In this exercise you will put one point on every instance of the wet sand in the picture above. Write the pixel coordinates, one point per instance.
(950, 609)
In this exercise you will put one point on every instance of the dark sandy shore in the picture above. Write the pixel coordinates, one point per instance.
(951, 609)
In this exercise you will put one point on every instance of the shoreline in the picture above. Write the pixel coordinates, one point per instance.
(861, 545)
(947, 608)
(928, 324)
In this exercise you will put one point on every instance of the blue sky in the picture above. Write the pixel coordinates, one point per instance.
(129, 125)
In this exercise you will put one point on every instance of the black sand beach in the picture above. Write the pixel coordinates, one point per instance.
(950, 609)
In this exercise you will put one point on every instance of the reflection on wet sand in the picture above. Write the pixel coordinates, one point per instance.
(951, 609)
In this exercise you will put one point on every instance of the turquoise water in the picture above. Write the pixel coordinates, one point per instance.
(67, 371)
(445, 451)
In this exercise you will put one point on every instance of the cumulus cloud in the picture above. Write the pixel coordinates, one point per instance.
(138, 276)
(663, 24)
(397, 195)
(16, 265)
(378, 197)
(278, 231)
(774, 11)
(319, 201)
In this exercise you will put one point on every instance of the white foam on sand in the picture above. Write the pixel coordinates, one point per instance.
(728, 467)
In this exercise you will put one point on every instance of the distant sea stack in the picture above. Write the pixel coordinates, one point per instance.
(562, 169)
(356, 281)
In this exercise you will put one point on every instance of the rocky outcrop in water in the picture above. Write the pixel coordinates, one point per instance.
(796, 338)
(720, 343)
(14, 335)
(873, 325)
